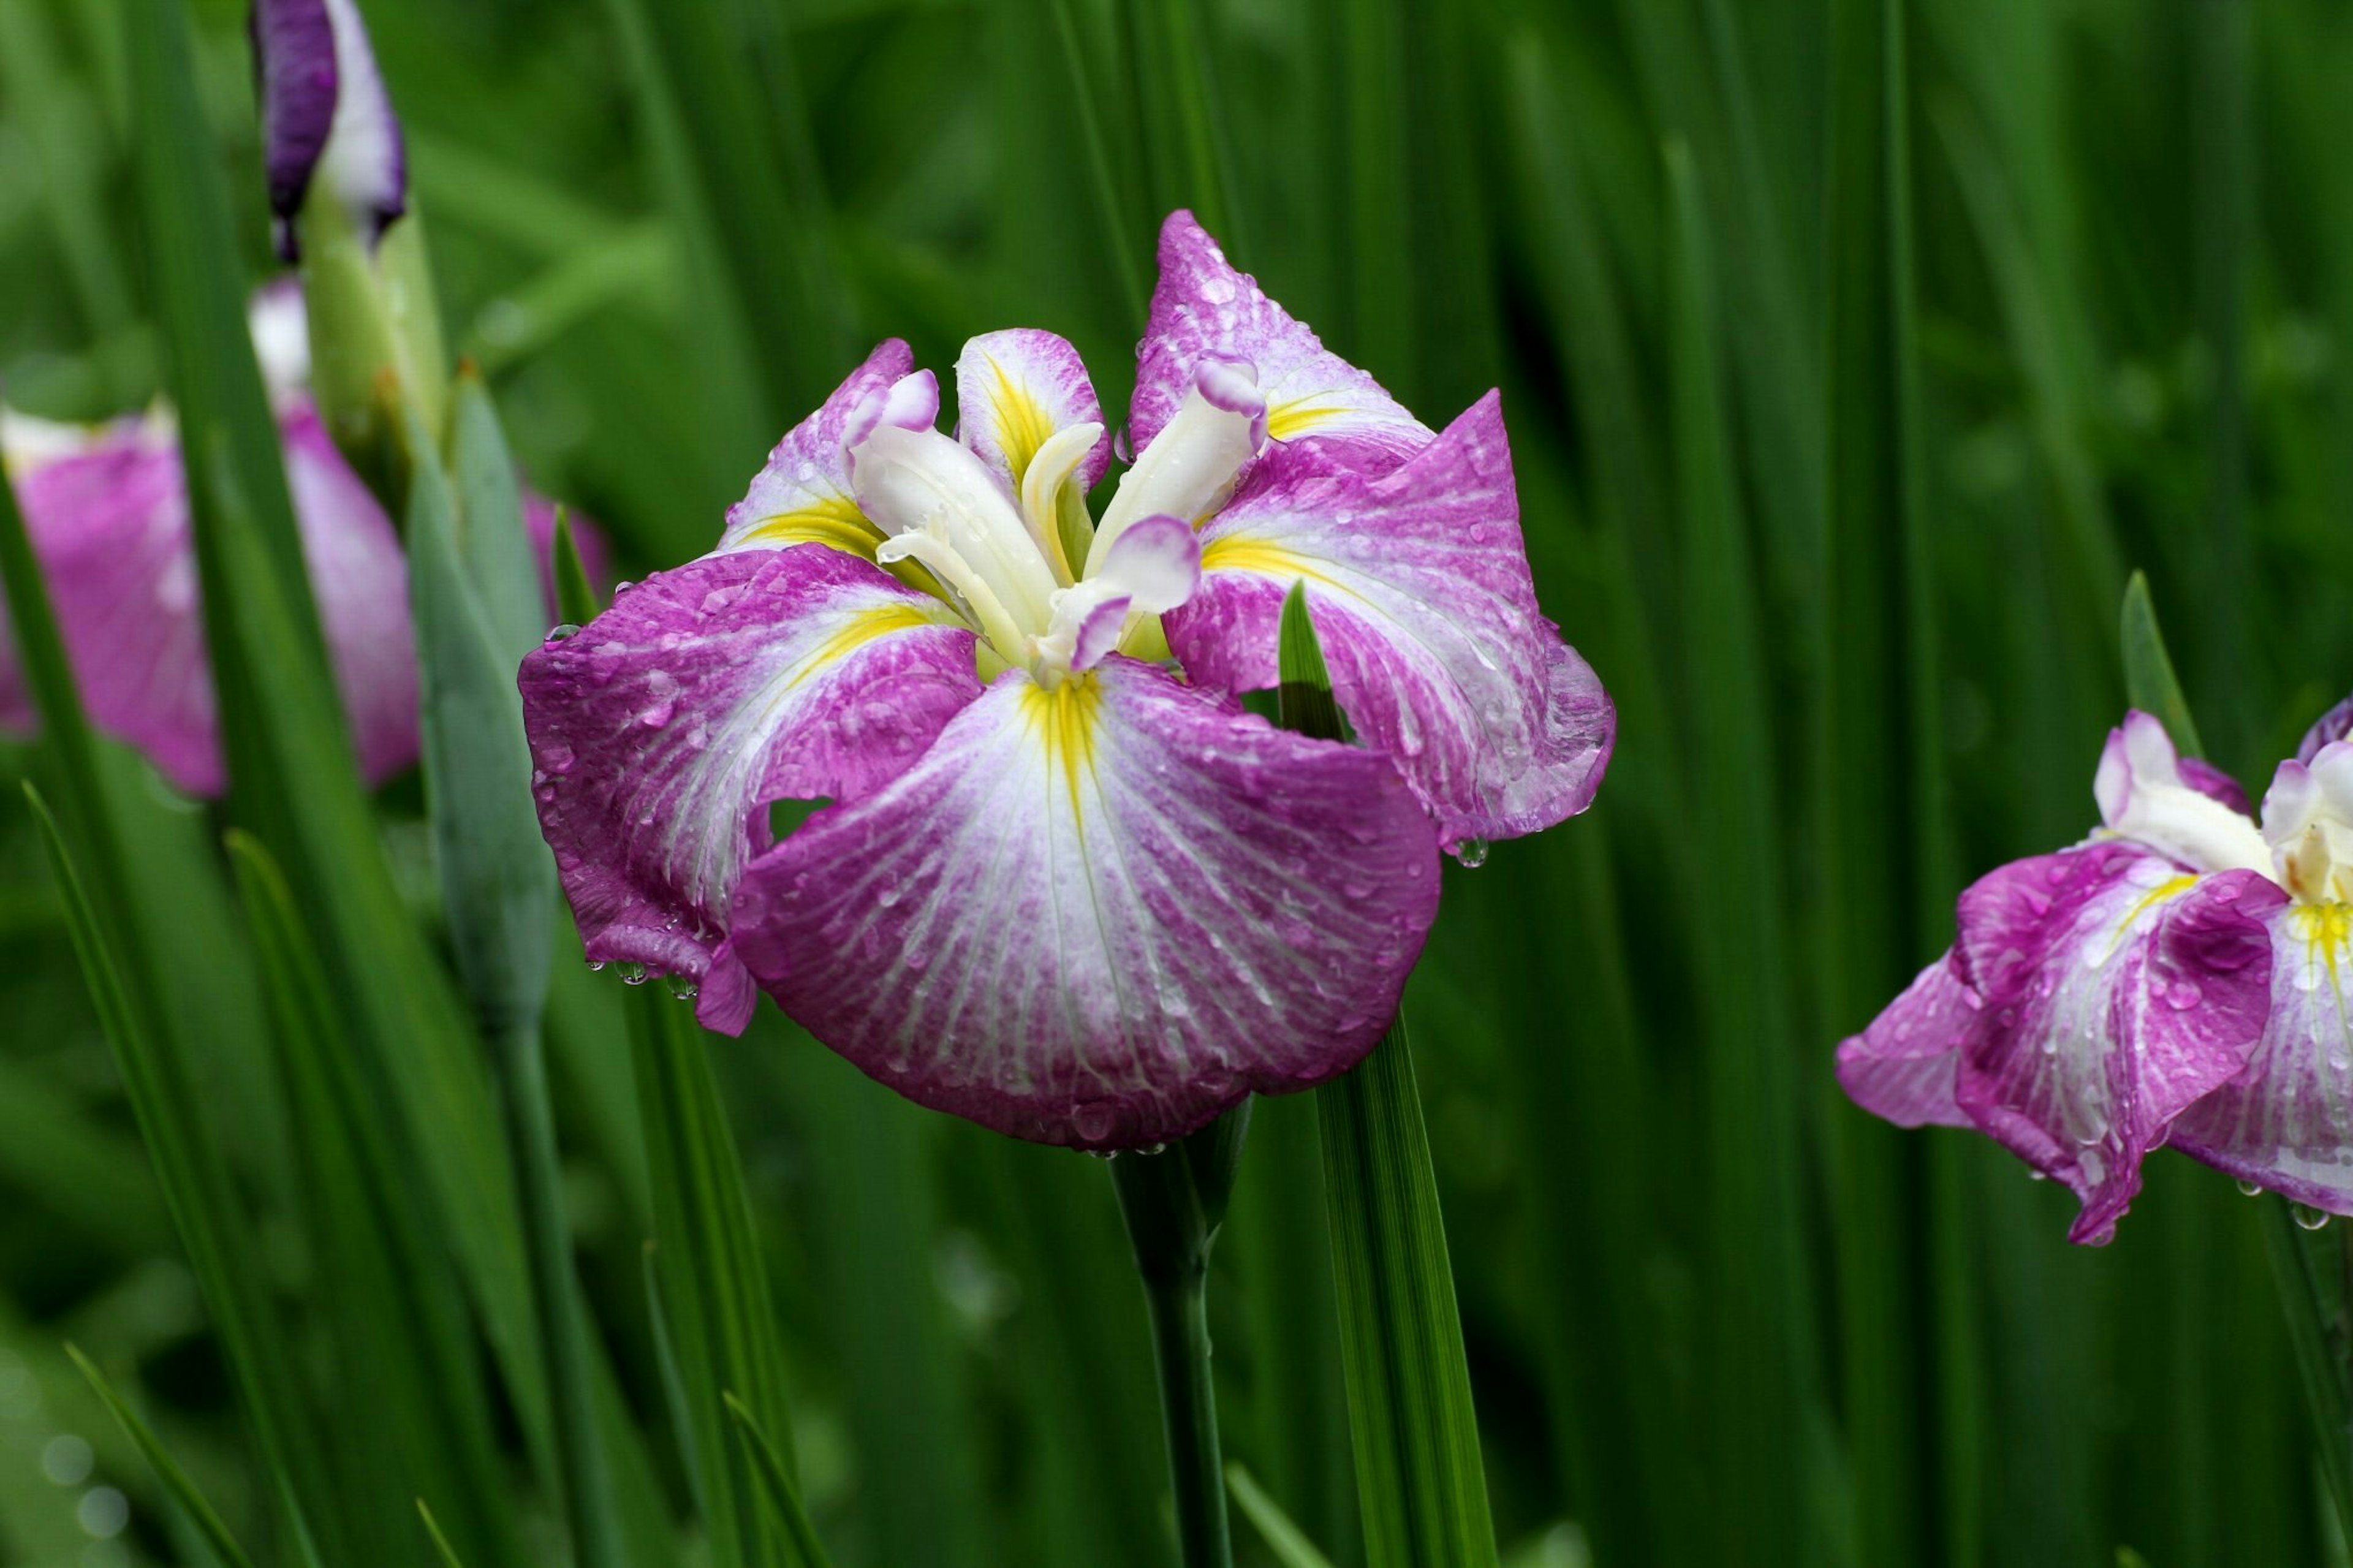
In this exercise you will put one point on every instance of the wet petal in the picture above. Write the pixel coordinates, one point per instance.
(802, 496)
(1202, 307)
(1902, 1067)
(1015, 389)
(2117, 991)
(2286, 1121)
(1418, 584)
(2179, 807)
(1100, 914)
(664, 728)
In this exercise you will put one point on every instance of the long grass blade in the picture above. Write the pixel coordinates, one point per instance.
(183, 1491)
(783, 1500)
(1286, 1542)
(1419, 1478)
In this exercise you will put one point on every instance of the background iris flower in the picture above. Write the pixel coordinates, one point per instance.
(1063, 888)
(2177, 977)
(107, 507)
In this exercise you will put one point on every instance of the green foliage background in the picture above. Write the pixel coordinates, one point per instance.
(1854, 352)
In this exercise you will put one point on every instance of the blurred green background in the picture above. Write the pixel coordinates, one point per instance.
(1854, 352)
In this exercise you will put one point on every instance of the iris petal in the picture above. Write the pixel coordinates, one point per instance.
(1903, 1067)
(2286, 1121)
(1100, 914)
(1015, 389)
(802, 495)
(1202, 308)
(664, 728)
(1418, 584)
(2117, 991)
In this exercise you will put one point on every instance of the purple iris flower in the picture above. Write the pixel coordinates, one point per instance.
(1066, 887)
(107, 509)
(326, 118)
(2177, 978)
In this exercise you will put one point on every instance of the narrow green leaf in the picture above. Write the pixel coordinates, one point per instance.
(1117, 216)
(193, 1502)
(440, 1542)
(1210, 184)
(402, 1349)
(2150, 684)
(715, 1286)
(576, 595)
(1287, 1542)
(503, 570)
(1419, 1478)
(783, 1499)
(197, 1188)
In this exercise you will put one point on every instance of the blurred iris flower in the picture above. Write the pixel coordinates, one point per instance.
(2178, 977)
(1067, 885)
(107, 507)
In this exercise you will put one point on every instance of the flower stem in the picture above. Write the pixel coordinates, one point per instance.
(1173, 1203)
(555, 1299)
(2320, 1368)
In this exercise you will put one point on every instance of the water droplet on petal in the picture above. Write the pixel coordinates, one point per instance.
(563, 633)
(595, 965)
(1471, 853)
(2308, 1218)
(2251, 1189)
(631, 974)
(2183, 994)
(684, 988)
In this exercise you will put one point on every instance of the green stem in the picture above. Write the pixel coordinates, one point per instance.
(2317, 1367)
(555, 1299)
(1173, 1203)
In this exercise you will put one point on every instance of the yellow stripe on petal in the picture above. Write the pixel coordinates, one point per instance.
(1303, 416)
(865, 627)
(1063, 718)
(2325, 928)
(1022, 423)
(836, 522)
(1240, 553)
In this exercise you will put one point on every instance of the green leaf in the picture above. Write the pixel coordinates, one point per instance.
(803, 1550)
(2150, 684)
(576, 595)
(1287, 1542)
(714, 1288)
(404, 1350)
(1419, 1480)
(192, 1502)
(440, 1542)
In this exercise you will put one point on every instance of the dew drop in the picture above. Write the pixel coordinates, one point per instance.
(563, 633)
(595, 965)
(2183, 994)
(684, 988)
(631, 974)
(1095, 1120)
(2250, 1189)
(1471, 853)
(2307, 1217)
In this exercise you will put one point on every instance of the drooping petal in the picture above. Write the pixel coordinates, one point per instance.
(2118, 990)
(1014, 390)
(1902, 1067)
(110, 529)
(1202, 307)
(802, 496)
(2147, 791)
(663, 729)
(361, 581)
(1418, 586)
(326, 116)
(2286, 1122)
(1099, 915)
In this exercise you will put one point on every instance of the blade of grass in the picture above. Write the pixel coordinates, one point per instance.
(1872, 659)
(183, 1491)
(1286, 1542)
(449, 1558)
(1118, 226)
(1762, 1370)
(403, 1350)
(1419, 1478)
(575, 596)
(803, 1549)
(713, 1285)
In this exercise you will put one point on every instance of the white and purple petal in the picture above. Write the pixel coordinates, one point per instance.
(1204, 310)
(2286, 1122)
(2118, 990)
(1418, 582)
(110, 529)
(1099, 914)
(1903, 1067)
(326, 117)
(663, 729)
(1015, 390)
(2179, 807)
(802, 496)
